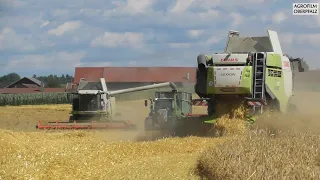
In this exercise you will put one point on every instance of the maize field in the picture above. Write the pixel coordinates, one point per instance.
(34, 99)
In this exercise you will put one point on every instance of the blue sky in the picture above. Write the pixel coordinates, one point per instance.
(54, 36)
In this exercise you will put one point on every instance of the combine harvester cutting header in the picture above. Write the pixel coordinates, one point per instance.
(250, 68)
(94, 107)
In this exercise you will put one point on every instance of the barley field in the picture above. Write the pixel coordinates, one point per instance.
(287, 150)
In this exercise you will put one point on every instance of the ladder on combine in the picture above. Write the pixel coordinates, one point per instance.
(258, 94)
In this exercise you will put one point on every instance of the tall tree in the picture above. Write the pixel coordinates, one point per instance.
(8, 79)
(52, 82)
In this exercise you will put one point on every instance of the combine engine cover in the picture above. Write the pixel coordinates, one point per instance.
(229, 74)
(225, 74)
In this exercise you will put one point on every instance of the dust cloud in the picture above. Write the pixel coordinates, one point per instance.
(304, 119)
(136, 112)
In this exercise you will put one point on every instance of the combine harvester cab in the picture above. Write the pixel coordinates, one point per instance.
(250, 68)
(93, 107)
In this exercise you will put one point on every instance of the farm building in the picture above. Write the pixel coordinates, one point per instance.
(28, 85)
(128, 77)
(26, 82)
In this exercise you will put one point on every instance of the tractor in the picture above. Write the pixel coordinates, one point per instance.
(171, 112)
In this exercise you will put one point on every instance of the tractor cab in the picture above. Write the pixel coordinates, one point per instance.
(172, 103)
(164, 101)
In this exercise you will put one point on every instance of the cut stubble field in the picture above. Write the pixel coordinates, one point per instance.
(108, 154)
(28, 153)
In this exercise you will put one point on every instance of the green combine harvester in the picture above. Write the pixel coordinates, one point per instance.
(251, 69)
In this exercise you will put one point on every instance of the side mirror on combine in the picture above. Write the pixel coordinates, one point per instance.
(146, 103)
